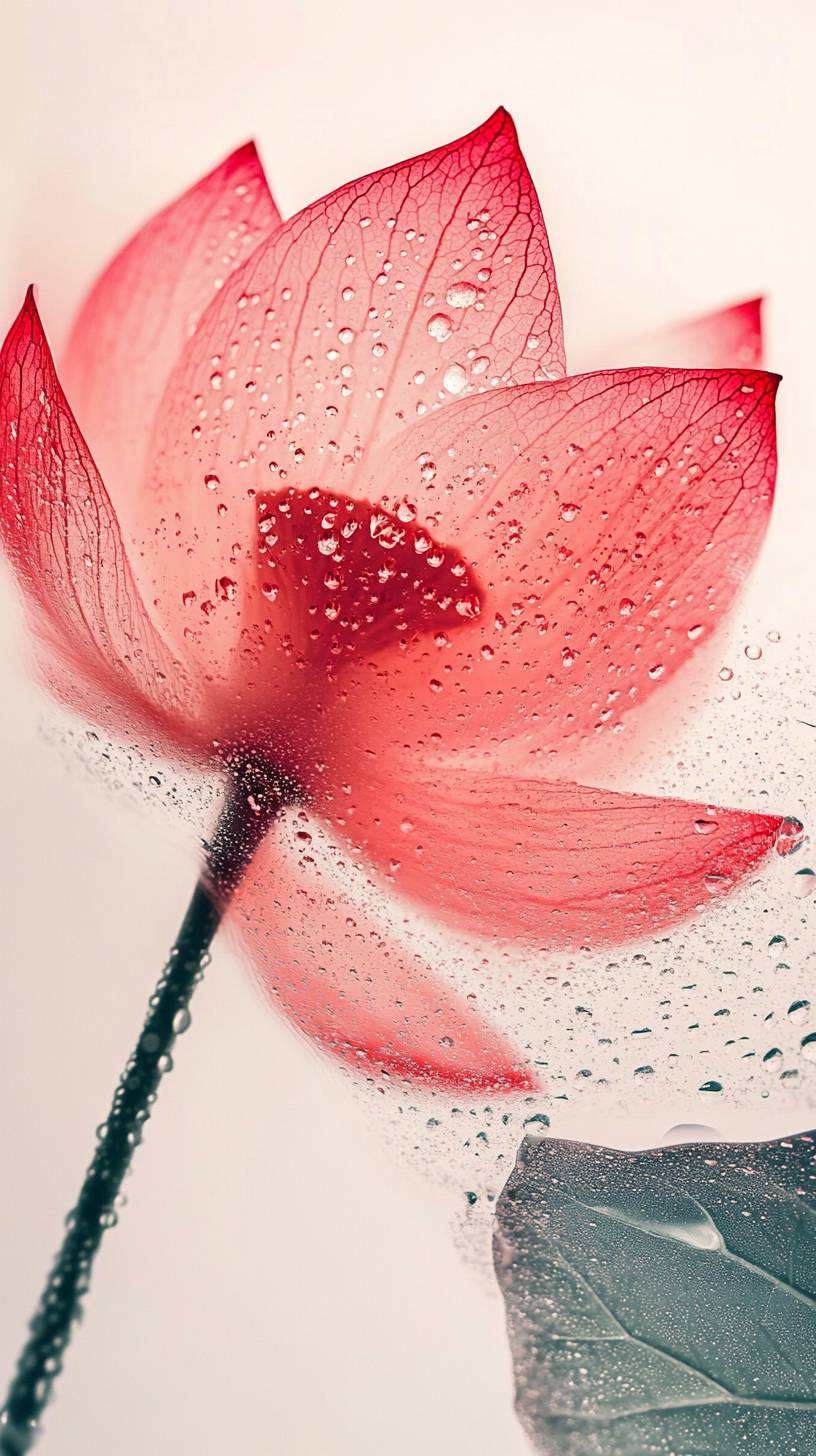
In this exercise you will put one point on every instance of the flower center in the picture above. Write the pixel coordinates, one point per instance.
(350, 577)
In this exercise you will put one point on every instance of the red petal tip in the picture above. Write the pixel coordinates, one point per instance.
(27, 322)
(500, 120)
(29, 307)
(244, 153)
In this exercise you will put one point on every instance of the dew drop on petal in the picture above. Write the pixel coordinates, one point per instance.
(461, 295)
(705, 826)
(454, 379)
(439, 327)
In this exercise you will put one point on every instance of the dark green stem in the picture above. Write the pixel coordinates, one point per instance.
(255, 796)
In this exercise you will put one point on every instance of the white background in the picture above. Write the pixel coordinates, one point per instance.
(283, 1280)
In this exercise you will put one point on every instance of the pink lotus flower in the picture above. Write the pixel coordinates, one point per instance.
(360, 525)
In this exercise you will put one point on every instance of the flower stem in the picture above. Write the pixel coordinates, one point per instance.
(256, 794)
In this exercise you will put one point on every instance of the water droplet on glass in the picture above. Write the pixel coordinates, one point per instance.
(536, 1125)
(808, 1047)
(804, 883)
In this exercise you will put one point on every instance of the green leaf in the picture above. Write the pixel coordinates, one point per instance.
(662, 1303)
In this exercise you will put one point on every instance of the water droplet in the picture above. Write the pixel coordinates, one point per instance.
(718, 884)
(454, 379)
(211, 481)
(753, 652)
(776, 945)
(808, 1047)
(181, 1020)
(439, 327)
(691, 1132)
(536, 1125)
(461, 295)
(798, 1011)
(705, 826)
(804, 883)
(469, 606)
(569, 511)
(696, 1228)
(711, 1086)
(789, 836)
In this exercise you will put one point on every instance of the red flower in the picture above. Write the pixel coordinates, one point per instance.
(362, 525)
